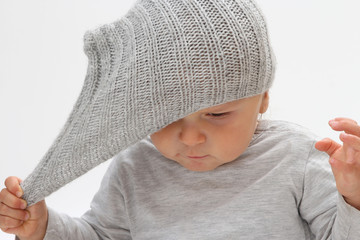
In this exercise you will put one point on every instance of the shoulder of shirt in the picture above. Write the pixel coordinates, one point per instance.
(141, 154)
(285, 142)
(285, 128)
(283, 134)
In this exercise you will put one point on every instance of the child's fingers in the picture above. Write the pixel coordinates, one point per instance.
(11, 200)
(13, 185)
(351, 141)
(345, 119)
(327, 145)
(14, 230)
(17, 214)
(8, 222)
(347, 125)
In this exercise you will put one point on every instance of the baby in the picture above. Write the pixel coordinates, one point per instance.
(175, 90)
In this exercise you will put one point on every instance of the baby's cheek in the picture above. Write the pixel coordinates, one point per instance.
(233, 148)
(163, 145)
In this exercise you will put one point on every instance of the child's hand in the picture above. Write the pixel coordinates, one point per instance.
(345, 159)
(15, 218)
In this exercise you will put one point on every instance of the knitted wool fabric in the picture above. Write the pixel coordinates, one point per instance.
(163, 60)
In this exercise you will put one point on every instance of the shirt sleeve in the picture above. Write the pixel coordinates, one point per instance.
(322, 207)
(106, 219)
(348, 221)
(61, 226)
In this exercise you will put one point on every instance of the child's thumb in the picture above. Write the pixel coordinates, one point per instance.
(327, 145)
(13, 185)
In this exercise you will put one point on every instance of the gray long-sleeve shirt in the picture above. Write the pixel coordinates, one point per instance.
(281, 187)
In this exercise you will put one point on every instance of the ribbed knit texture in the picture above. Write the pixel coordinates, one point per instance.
(163, 60)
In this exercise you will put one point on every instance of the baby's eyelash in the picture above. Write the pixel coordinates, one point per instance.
(217, 114)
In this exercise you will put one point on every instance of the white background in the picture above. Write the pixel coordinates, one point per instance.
(42, 68)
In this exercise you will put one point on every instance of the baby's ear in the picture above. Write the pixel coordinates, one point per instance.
(264, 103)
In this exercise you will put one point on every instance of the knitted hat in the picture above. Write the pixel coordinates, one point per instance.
(163, 60)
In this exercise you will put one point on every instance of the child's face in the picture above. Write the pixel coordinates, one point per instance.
(213, 136)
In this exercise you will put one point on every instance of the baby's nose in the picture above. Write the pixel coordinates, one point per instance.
(191, 135)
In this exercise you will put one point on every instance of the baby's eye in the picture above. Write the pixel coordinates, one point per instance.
(217, 115)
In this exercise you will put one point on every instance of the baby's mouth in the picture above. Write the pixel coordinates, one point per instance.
(198, 157)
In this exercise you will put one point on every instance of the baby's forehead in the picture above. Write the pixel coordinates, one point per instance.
(231, 104)
(224, 105)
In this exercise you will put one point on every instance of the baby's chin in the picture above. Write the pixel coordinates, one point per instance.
(204, 165)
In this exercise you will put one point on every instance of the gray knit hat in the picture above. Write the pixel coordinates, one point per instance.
(163, 60)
